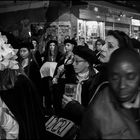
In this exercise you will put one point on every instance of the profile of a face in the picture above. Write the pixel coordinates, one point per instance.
(111, 44)
(124, 77)
(68, 47)
(80, 65)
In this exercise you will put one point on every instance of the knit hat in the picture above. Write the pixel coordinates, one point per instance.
(70, 41)
(27, 45)
(86, 54)
(52, 41)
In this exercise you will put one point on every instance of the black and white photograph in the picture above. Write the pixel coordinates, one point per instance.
(69, 69)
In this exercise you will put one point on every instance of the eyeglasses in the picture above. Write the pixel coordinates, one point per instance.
(99, 44)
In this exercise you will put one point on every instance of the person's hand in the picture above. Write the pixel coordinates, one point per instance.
(65, 100)
(60, 69)
(70, 58)
(54, 80)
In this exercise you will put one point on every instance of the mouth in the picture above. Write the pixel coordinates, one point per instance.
(101, 55)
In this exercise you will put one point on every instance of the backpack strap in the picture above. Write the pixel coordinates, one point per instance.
(97, 91)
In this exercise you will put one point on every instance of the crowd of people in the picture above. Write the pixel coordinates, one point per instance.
(98, 90)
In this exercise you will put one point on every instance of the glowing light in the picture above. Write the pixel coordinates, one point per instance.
(96, 9)
(136, 22)
(29, 33)
(98, 16)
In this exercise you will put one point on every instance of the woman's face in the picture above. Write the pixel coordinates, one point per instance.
(111, 44)
(68, 47)
(52, 46)
(80, 65)
(34, 43)
(124, 79)
(24, 53)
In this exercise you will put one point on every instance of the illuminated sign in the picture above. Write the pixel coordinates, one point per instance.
(135, 22)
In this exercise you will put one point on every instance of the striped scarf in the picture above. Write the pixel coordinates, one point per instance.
(81, 77)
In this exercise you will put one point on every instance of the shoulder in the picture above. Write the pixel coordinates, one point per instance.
(100, 102)
(99, 91)
(23, 80)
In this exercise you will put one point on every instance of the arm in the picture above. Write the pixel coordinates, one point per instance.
(89, 125)
(75, 111)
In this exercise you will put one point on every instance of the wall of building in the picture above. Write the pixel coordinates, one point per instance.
(18, 18)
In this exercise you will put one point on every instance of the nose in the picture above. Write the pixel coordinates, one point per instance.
(73, 63)
(122, 83)
(21, 53)
(104, 47)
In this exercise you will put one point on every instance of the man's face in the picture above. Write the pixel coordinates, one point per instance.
(80, 65)
(124, 79)
(99, 46)
(111, 44)
(82, 41)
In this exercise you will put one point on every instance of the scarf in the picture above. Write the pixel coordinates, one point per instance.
(81, 77)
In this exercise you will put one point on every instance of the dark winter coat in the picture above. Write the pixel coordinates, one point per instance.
(24, 103)
(74, 110)
(106, 119)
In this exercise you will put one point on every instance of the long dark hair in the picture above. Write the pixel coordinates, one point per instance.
(8, 78)
(123, 39)
(47, 53)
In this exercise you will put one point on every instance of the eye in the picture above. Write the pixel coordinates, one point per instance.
(110, 46)
(131, 76)
(114, 77)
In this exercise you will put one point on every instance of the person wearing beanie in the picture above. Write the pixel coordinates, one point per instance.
(65, 62)
(74, 93)
(52, 53)
(28, 62)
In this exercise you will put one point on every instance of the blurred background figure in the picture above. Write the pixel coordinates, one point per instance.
(75, 38)
(98, 46)
(35, 51)
(51, 53)
(65, 60)
(82, 42)
(66, 37)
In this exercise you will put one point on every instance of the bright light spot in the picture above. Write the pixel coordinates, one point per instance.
(136, 22)
(98, 16)
(96, 9)
(29, 33)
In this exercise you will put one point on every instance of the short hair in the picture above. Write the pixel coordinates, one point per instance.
(123, 54)
(99, 40)
(35, 39)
